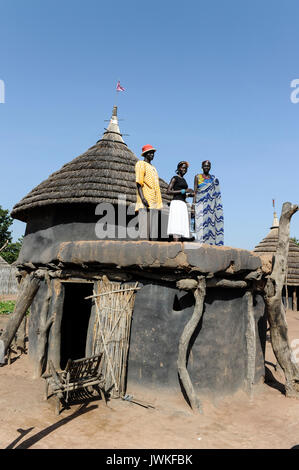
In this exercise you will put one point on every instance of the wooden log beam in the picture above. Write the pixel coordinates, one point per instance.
(199, 292)
(226, 283)
(275, 309)
(29, 287)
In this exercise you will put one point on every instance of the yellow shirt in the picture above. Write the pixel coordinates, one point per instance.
(147, 177)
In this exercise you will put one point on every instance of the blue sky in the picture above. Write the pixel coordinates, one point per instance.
(204, 80)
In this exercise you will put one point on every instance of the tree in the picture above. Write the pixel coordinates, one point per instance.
(275, 309)
(5, 223)
(295, 240)
(12, 249)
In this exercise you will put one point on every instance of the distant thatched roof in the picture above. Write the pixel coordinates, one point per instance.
(100, 174)
(3, 263)
(268, 247)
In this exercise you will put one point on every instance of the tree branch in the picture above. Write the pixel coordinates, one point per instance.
(199, 292)
(275, 308)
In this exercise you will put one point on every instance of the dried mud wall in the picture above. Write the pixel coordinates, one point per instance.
(219, 353)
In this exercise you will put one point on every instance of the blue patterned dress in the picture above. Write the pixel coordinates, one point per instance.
(208, 211)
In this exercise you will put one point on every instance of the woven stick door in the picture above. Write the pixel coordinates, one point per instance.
(115, 303)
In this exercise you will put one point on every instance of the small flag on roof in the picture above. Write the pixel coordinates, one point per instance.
(119, 87)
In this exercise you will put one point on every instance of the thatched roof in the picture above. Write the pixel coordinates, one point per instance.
(268, 247)
(3, 263)
(100, 174)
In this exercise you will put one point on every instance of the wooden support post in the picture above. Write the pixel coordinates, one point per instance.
(295, 299)
(28, 289)
(56, 313)
(42, 338)
(250, 341)
(199, 291)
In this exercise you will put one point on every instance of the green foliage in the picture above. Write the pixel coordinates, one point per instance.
(5, 223)
(11, 251)
(295, 240)
(7, 307)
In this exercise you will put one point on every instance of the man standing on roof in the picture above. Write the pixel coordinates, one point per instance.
(149, 199)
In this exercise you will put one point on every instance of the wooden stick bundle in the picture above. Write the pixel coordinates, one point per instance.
(114, 304)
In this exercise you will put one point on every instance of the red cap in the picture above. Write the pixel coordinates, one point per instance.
(147, 148)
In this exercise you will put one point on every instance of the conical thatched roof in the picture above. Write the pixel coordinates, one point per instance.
(268, 247)
(100, 174)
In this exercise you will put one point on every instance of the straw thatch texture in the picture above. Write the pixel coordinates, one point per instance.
(101, 174)
(8, 282)
(268, 247)
(112, 326)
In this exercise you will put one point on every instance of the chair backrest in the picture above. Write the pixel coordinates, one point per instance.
(81, 369)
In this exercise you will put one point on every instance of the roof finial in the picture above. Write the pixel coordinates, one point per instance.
(275, 223)
(112, 132)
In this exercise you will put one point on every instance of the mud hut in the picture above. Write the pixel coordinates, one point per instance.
(95, 289)
(8, 281)
(267, 248)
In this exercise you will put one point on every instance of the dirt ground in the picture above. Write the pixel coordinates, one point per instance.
(265, 420)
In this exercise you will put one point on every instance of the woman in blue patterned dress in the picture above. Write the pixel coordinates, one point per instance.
(208, 211)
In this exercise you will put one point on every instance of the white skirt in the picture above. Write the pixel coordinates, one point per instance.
(178, 221)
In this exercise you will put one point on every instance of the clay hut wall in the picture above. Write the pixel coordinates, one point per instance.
(227, 350)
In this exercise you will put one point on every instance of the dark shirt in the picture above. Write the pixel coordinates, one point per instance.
(180, 183)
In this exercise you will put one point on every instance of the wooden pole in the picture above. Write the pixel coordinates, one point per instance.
(28, 289)
(199, 291)
(42, 336)
(295, 299)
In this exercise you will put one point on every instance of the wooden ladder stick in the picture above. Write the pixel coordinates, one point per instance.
(112, 292)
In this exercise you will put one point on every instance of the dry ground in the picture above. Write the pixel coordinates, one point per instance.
(266, 420)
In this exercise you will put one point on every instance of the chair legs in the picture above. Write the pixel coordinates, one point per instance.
(101, 392)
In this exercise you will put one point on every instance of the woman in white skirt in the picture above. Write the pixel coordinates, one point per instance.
(178, 222)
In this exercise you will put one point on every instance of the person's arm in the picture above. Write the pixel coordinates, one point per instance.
(172, 191)
(144, 201)
(194, 193)
(139, 174)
